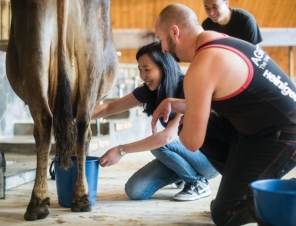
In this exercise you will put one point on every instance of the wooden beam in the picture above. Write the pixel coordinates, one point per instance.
(135, 38)
(278, 36)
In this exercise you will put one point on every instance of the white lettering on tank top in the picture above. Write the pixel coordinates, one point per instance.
(259, 58)
(260, 61)
(283, 86)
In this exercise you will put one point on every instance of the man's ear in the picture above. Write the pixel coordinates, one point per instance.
(175, 32)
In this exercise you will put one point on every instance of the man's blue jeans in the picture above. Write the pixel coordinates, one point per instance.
(173, 163)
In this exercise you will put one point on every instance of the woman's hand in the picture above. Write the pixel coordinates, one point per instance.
(111, 157)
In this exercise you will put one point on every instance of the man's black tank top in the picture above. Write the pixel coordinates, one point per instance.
(267, 100)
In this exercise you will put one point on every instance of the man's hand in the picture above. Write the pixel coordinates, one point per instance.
(111, 157)
(163, 110)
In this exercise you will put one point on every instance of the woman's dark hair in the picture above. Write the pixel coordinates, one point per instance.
(171, 76)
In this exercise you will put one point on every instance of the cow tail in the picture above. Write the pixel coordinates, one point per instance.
(63, 121)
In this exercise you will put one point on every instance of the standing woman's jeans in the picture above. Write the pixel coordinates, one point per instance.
(173, 163)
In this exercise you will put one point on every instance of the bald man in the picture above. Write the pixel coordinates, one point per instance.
(239, 109)
(235, 22)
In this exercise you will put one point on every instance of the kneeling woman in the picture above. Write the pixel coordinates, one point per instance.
(174, 163)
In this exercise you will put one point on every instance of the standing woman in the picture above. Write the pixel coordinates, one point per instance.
(174, 163)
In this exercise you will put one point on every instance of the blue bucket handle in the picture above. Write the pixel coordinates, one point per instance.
(51, 171)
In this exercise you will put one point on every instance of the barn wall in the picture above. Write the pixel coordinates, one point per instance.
(12, 108)
(142, 14)
(128, 14)
(268, 13)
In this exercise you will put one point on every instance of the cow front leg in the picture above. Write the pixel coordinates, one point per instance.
(38, 205)
(81, 200)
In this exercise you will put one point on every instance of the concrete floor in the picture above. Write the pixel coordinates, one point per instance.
(113, 207)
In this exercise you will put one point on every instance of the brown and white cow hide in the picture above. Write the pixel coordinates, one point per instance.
(61, 61)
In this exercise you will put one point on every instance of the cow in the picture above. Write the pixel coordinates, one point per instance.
(61, 60)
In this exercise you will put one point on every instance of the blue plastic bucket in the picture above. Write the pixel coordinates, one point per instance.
(275, 201)
(65, 180)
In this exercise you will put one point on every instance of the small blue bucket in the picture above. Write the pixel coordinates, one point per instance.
(275, 201)
(65, 180)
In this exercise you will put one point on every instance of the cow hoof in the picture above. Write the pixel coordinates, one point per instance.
(81, 205)
(37, 209)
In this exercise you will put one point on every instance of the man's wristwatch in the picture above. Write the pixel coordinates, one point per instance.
(121, 151)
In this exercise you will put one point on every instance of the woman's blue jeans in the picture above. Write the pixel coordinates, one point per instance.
(173, 163)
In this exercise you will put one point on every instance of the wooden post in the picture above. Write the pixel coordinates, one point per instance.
(5, 18)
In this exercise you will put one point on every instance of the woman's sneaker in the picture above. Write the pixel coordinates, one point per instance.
(178, 185)
(194, 190)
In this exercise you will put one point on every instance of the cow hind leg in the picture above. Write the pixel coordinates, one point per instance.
(37, 208)
(81, 200)
(38, 205)
(82, 204)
